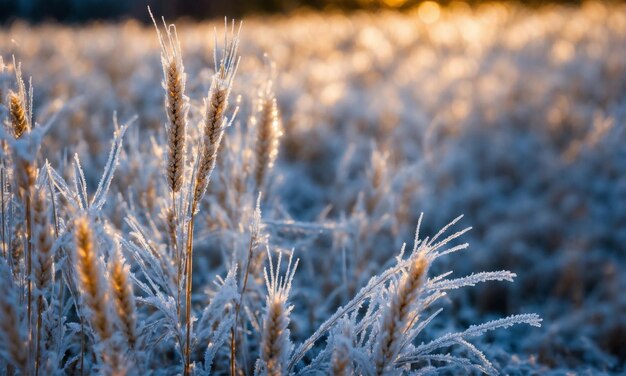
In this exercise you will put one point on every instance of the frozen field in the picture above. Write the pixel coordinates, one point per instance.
(514, 118)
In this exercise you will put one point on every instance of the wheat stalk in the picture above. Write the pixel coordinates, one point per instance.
(95, 295)
(214, 124)
(216, 104)
(397, 317)
(123, 295)
(18, 115)
(44, 237)
(43, 269)
(269, 131)
(25, 171)
(275, 343)
(176, 103)
(177, 107)
(90, 277)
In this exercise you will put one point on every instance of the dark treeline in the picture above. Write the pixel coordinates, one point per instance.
(76, 11)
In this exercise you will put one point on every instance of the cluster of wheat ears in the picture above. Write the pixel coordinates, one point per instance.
(82, 294)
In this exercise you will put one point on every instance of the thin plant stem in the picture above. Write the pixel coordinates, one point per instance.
(189, 266)
(29, 266)
(233, 331)
(38, 340)
(4, 243)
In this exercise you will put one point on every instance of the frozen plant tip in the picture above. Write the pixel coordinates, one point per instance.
(275, 343)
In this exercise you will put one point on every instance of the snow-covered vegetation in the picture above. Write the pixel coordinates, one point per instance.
(225, 200)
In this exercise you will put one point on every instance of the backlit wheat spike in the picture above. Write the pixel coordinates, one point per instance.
(275, 343)
(89, 273)
(18, 115)
(12, 336)
(397, 316)
(20, 112)
(176, 103)
(269, 131)
(216, 104)
(44, 238)
(43, 266)
(19, 109)
(122, 289)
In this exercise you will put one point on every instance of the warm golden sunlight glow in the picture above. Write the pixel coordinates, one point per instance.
(429, 11)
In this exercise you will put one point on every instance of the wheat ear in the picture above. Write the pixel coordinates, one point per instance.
(44, 237)
(269, 131)
(215, 120)
(398, 315)
(20, 111)
(90, 274)
(43, 272)
(176, 103)
(18, 115)
(275, 343)
(123, 295)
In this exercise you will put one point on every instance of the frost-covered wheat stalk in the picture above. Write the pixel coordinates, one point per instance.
(269, 130)
(95, 297)
(214, 124)
(275, 343)
(216, 105)
(399, 314)
(20, 113)
(176, 103)
(89, 273)
(176, 106)
(43, 266)
(119, 277)
(24, 170)
(19, 109)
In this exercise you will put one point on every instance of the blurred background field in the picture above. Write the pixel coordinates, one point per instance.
(85, 10)
(512, 115)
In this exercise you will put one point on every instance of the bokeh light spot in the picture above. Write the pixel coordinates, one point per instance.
(429, 12)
